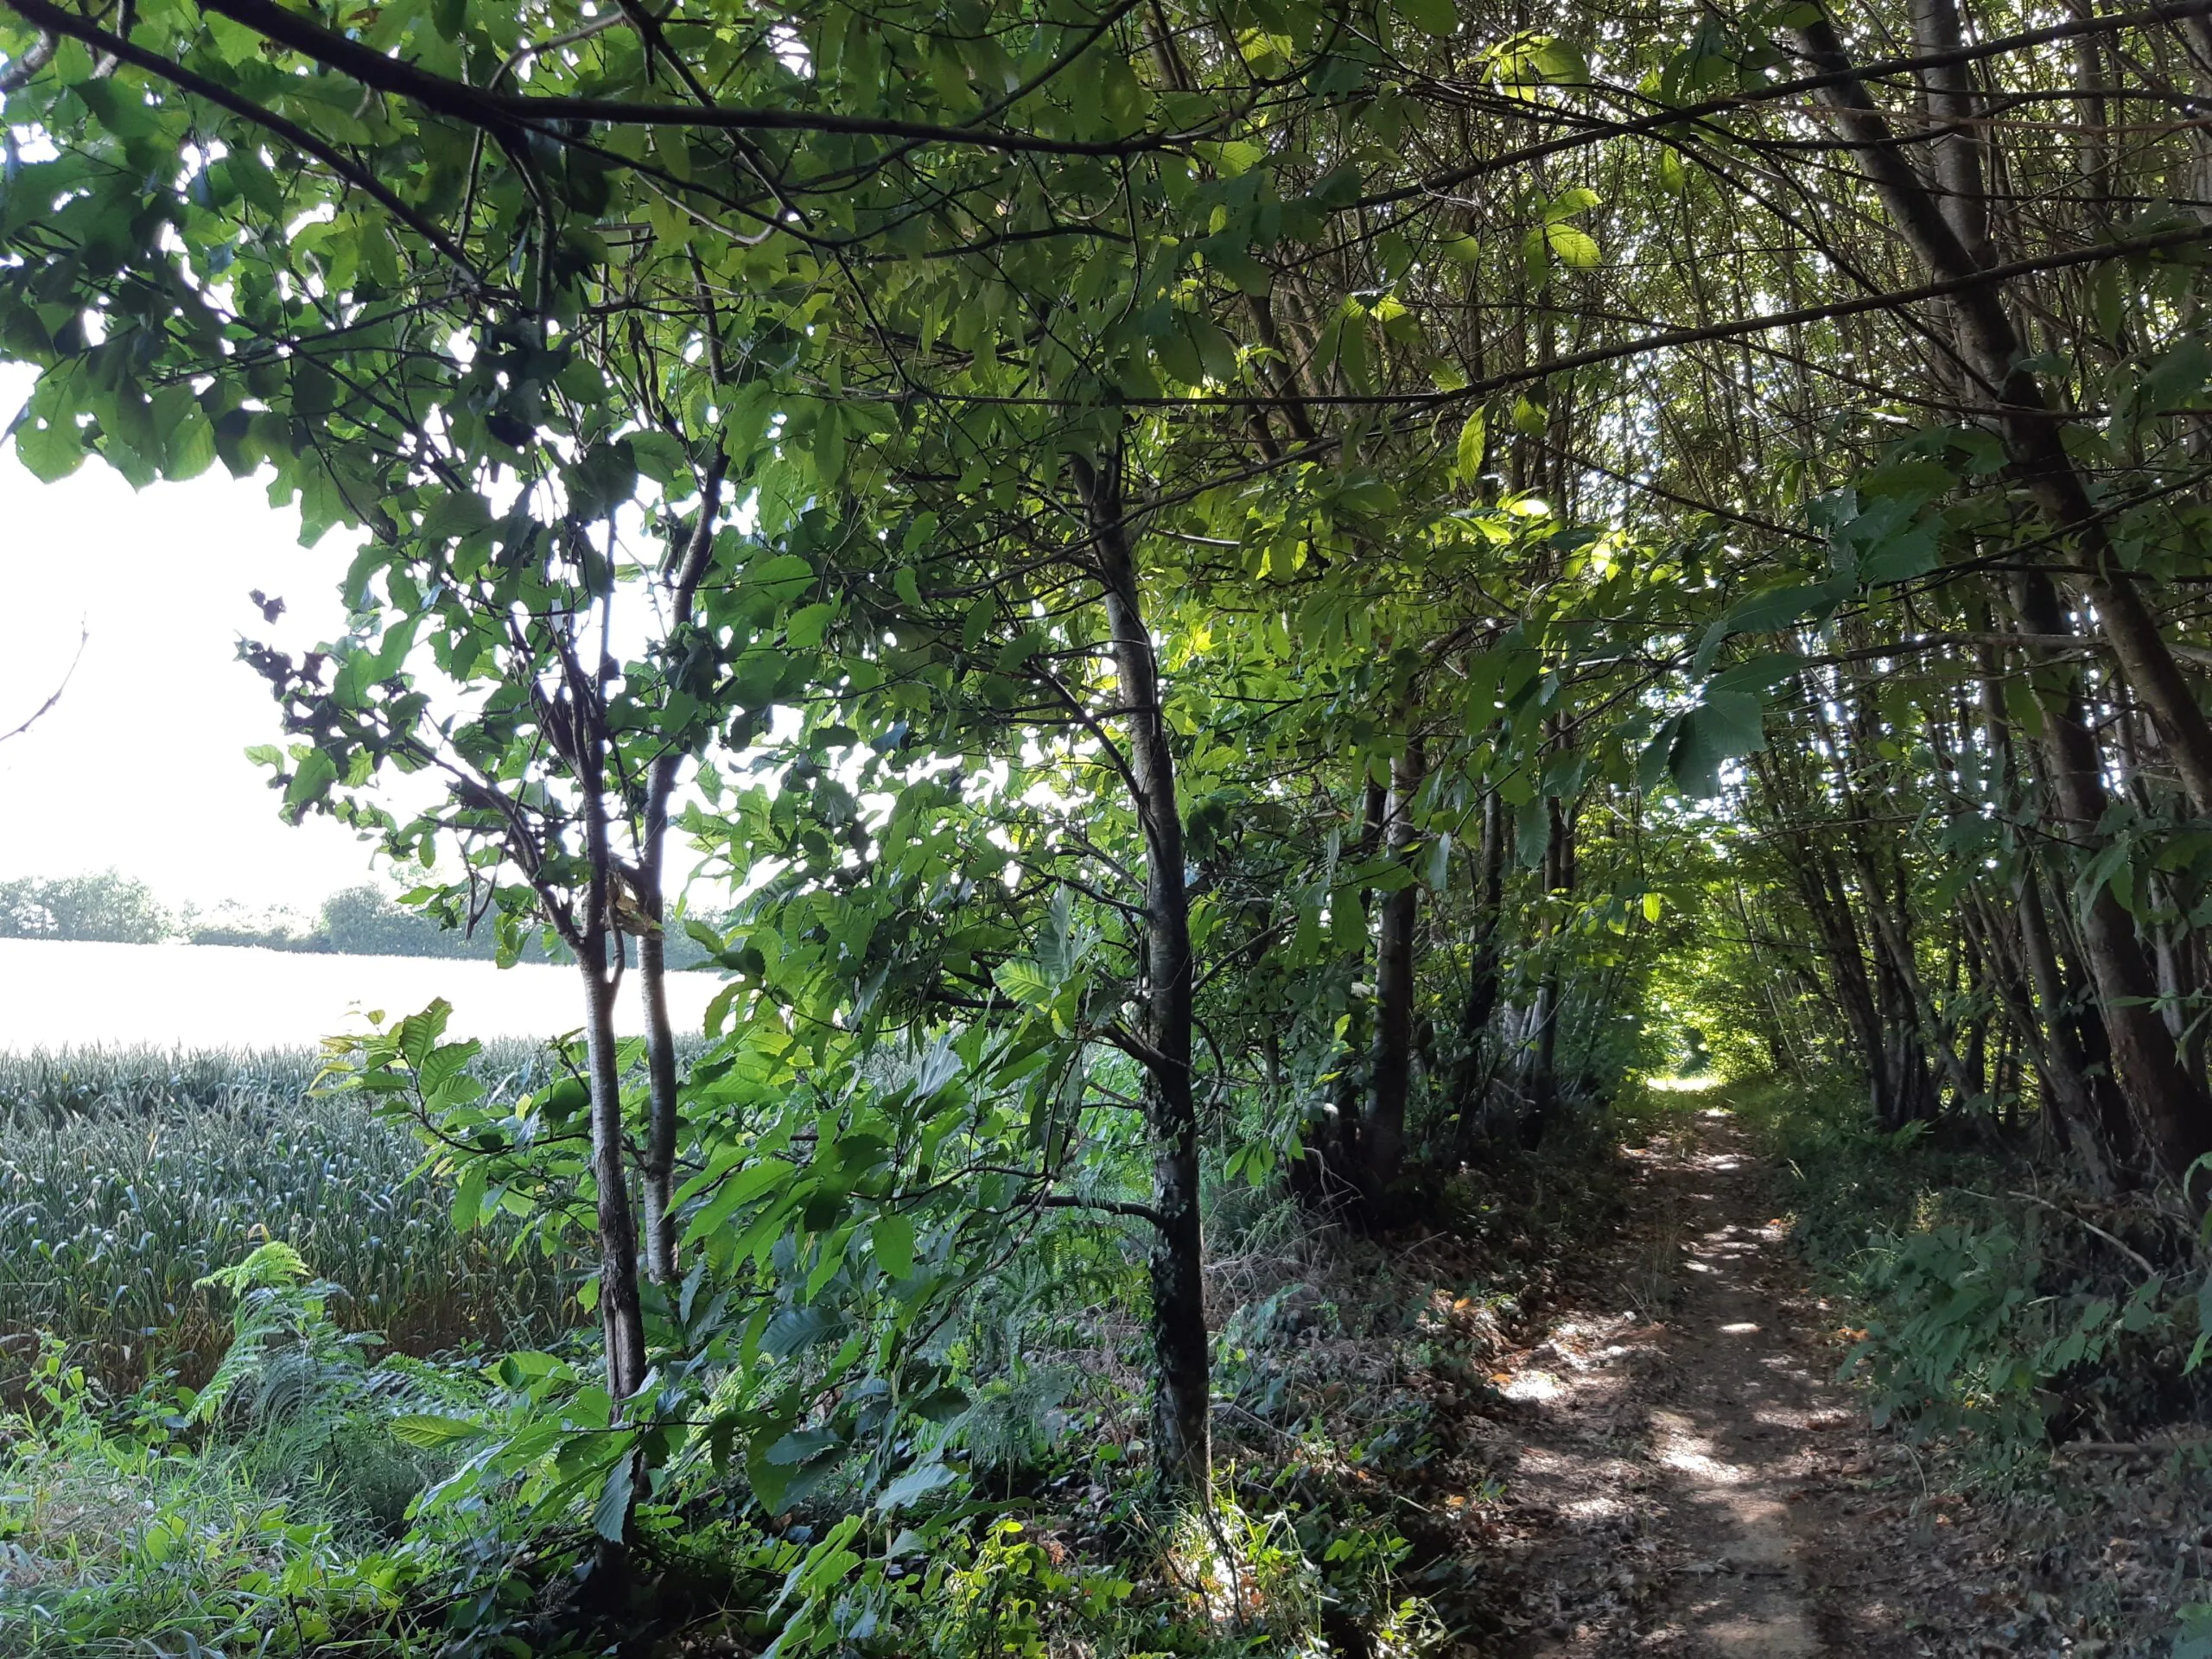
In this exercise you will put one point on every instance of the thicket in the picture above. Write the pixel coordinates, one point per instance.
(293, 1495)
(1225, 585)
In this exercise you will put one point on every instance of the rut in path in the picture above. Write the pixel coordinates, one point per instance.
(1683, 1483)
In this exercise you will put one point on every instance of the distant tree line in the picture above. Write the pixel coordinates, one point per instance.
(357, 921)
(108, 907)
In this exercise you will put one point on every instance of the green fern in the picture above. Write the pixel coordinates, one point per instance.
(286, 1354)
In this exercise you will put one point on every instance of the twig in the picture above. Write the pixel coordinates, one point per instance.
(2128, 1448)
(2149, 1272)
(84, 634)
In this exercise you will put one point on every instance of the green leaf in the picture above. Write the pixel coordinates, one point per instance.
(892, 1236)
(611, 1515)
(1724, 725)
(317, 772)
(1579, 200)
(798, 1328)
(47, 450)
(1532, 831)
(1436, 18)
(1474, 444)
(805, 630)
(468, 1196)
(1571, 246)
(661, 457)
(915, 1485)
(978, 626)
(1027, 983)
(432, 1433)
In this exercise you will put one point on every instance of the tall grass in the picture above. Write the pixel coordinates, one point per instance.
(127, 1175)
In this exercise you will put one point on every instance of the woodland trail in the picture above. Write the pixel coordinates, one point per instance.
(1685, 1481)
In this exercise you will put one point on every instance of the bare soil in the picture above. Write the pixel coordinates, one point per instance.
(1684, 1460)
(1683, 1475)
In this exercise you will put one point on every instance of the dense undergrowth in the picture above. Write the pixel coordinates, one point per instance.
(313, 1492)
(1998, 1304)
(2041, 1348)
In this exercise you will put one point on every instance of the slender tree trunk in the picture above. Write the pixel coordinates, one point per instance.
(620, 1309)
(1897, 949)
(1540, 1073)
(2168, 1102)
(1482, 975)
(663, 1087)
(1182, 1404)
(658, 1187)
(2092, 1119)
(1990, 346)
(1383, 1137)
(2092, 1115)
(1821, 889)
(1343, 1160)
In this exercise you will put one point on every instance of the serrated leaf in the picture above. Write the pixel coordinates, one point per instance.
(1025, 984)
(1473, 445)
(796, 1329)
(1572, 245)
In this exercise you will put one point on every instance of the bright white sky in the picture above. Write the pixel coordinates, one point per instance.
(140, 765)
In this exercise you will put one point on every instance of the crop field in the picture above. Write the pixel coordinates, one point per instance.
(83, 994)
(129, 1175)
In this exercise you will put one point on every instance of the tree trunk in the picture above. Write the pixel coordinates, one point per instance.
(1482, 966)
(620, 1312)
(1990, 346)
(1383, 1136)
(662, 1090)
(1821, 889)
(1181, 1402)
(658, 1187)
(1540, 1090)
(1343, 1160)
(2168, 1103)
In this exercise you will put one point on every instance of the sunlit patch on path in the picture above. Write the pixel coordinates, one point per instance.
(1675, 1476)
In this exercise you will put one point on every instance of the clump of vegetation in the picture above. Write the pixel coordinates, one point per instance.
(1986, 1309)
(108, 908)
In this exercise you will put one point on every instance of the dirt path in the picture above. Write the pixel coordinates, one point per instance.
(1684, 1483)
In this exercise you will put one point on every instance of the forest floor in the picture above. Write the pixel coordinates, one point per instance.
(1683, 1476)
